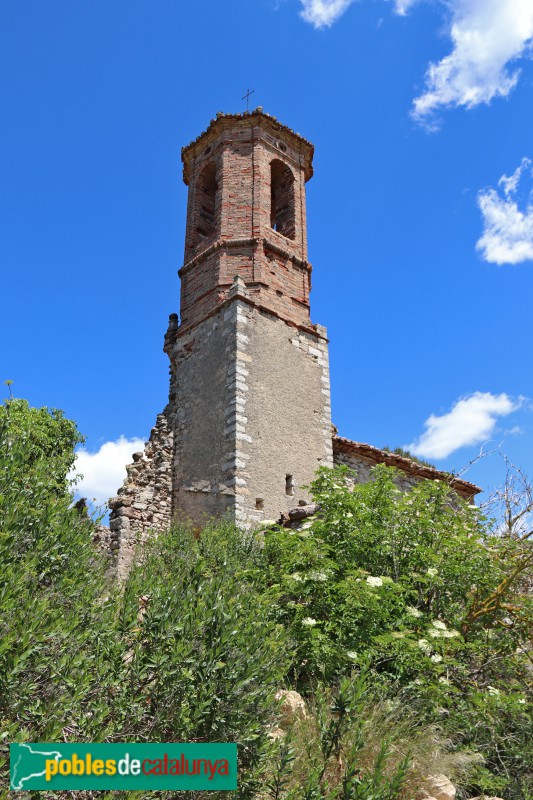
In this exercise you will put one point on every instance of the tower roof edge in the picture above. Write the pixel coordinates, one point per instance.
(224, 121)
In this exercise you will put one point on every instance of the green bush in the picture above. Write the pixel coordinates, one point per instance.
(204, 660)
(56, 623)
(205, 629)
(420, 584)
(79, 661)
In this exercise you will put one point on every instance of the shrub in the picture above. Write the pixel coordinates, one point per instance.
(421, 585)
(353, 744)
(204, 661)
(205, 630)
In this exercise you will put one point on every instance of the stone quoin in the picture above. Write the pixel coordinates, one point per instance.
(248, 419)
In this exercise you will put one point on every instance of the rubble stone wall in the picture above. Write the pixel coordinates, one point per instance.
(144, 502)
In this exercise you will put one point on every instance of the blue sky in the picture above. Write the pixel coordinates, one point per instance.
(420, 211)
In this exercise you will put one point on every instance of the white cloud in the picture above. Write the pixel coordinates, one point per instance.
(510, 183)
(104, 471)
(487, 37)
(403, 6)
(323, 13)
(471, 421)
(507, 229)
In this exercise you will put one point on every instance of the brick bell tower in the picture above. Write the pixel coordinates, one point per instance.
(248, 420)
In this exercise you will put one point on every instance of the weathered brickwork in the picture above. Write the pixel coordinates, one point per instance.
(258, 169)
(248, 420)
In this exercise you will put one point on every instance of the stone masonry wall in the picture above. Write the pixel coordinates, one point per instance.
(251, 402)
(363, 467)
(283, 417)
(202, 392)
(144, 502)
(249, 405)
(362, 457)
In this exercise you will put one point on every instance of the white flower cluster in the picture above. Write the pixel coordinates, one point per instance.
(317, 576)
(309, 621)
(374, 581)
(312, 576)
(413, 612)
(447, 634)
(352, 655)
(440, 631)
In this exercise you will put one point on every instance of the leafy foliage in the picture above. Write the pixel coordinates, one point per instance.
(420, 584)
(204, 661)
(383, 595)
(333, 753)
(55, 623)
(46, 435)
(196, 660)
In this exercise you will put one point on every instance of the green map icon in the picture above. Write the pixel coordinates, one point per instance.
(127, 765)
(28, 764)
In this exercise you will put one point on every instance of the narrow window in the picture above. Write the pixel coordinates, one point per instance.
(259, 503)
(206, 195)
(289, 485)
(282, 212)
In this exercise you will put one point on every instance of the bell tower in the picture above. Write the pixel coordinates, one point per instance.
(246, 216)
(248, 420)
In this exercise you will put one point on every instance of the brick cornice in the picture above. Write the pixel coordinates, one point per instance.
(173, 332)
(229, 244)
(257, 116)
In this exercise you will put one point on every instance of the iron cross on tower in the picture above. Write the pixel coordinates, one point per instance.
(247, 97)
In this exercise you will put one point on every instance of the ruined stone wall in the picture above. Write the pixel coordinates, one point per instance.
(363, 457)
(108, 546)
(144, 502)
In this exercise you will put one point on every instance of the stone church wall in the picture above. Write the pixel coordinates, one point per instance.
(252, 412)
(362, 467)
